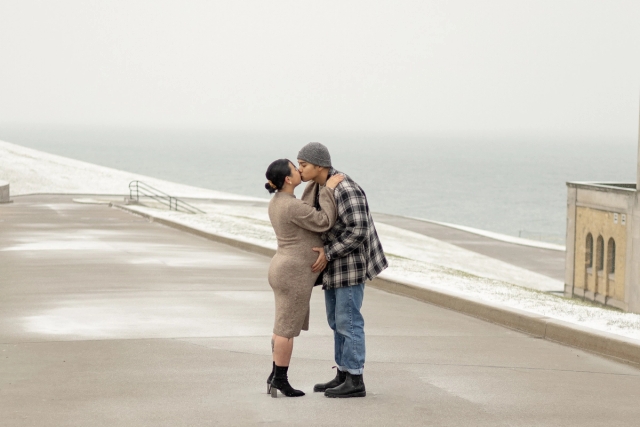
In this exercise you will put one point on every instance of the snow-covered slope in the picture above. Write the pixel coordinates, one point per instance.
(31, 171)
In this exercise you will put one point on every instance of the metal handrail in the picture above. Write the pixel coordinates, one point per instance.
(139, 189)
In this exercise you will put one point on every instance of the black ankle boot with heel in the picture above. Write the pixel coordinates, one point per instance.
(273, 371)
(280, 382)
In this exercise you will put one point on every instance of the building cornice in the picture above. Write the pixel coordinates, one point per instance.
(609, 187)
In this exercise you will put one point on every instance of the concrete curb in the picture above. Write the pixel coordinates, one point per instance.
(558, 331)
(245, 246)
(602, 343)
(520, 320)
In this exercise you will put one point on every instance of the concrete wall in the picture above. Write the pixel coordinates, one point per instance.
(638, 171)
(603, 198)
(569, 269)
(4, 192)
(633, 276)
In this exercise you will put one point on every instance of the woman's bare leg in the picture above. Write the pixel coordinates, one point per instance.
(282, 349)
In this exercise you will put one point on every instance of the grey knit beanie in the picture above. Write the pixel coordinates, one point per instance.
(316, 154)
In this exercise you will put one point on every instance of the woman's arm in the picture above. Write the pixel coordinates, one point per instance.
(323, 219)
(309, 218)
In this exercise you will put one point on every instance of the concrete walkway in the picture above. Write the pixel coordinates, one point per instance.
(108, 320)
(544, 261)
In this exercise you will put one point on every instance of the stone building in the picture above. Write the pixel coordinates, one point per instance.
(603, 243)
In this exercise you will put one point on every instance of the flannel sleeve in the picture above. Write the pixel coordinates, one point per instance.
(352, 210)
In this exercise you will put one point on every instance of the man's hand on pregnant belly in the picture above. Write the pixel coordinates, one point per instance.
(321, 262)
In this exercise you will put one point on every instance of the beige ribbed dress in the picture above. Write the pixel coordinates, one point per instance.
(297, 226)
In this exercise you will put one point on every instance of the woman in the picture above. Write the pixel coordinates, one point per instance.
(297, 226)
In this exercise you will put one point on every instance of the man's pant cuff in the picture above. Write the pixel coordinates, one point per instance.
(354, 371)
(342, 368)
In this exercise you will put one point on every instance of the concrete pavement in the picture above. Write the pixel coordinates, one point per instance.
(107, 319)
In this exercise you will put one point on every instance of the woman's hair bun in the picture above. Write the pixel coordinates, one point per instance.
(269, 188)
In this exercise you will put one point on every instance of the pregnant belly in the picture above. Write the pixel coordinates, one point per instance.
(298, 254)
(298, 260)
(287, 267)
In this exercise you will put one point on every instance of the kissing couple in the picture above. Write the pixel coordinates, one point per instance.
(326, 238)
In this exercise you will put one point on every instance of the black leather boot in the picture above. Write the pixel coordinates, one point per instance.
(281, 382)
(273, 370)
(339, 379)
(353, 386)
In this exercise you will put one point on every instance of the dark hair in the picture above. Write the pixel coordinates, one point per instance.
(276, 173)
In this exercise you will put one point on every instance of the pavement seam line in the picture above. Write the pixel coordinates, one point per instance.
(561, 332)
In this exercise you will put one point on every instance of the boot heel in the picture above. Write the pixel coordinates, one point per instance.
(273, 370)
(280, 383)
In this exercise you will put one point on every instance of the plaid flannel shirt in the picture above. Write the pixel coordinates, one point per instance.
(352, 246)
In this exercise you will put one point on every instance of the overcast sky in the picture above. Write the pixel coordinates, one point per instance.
(560, 67)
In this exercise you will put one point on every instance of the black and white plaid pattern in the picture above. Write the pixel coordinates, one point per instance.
(352, 245)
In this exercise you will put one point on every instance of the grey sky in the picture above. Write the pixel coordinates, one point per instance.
(568, 67)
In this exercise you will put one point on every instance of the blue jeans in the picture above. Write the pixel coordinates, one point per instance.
(344, 317)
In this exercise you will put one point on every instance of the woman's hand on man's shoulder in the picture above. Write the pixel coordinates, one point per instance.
(333, 182)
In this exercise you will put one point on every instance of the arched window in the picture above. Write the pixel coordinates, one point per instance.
(589, 251)
(611, 256)
(600, 254)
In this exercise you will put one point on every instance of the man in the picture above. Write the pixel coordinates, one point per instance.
(351, 254)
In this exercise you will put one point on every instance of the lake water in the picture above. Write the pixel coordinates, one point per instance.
(512, 185)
